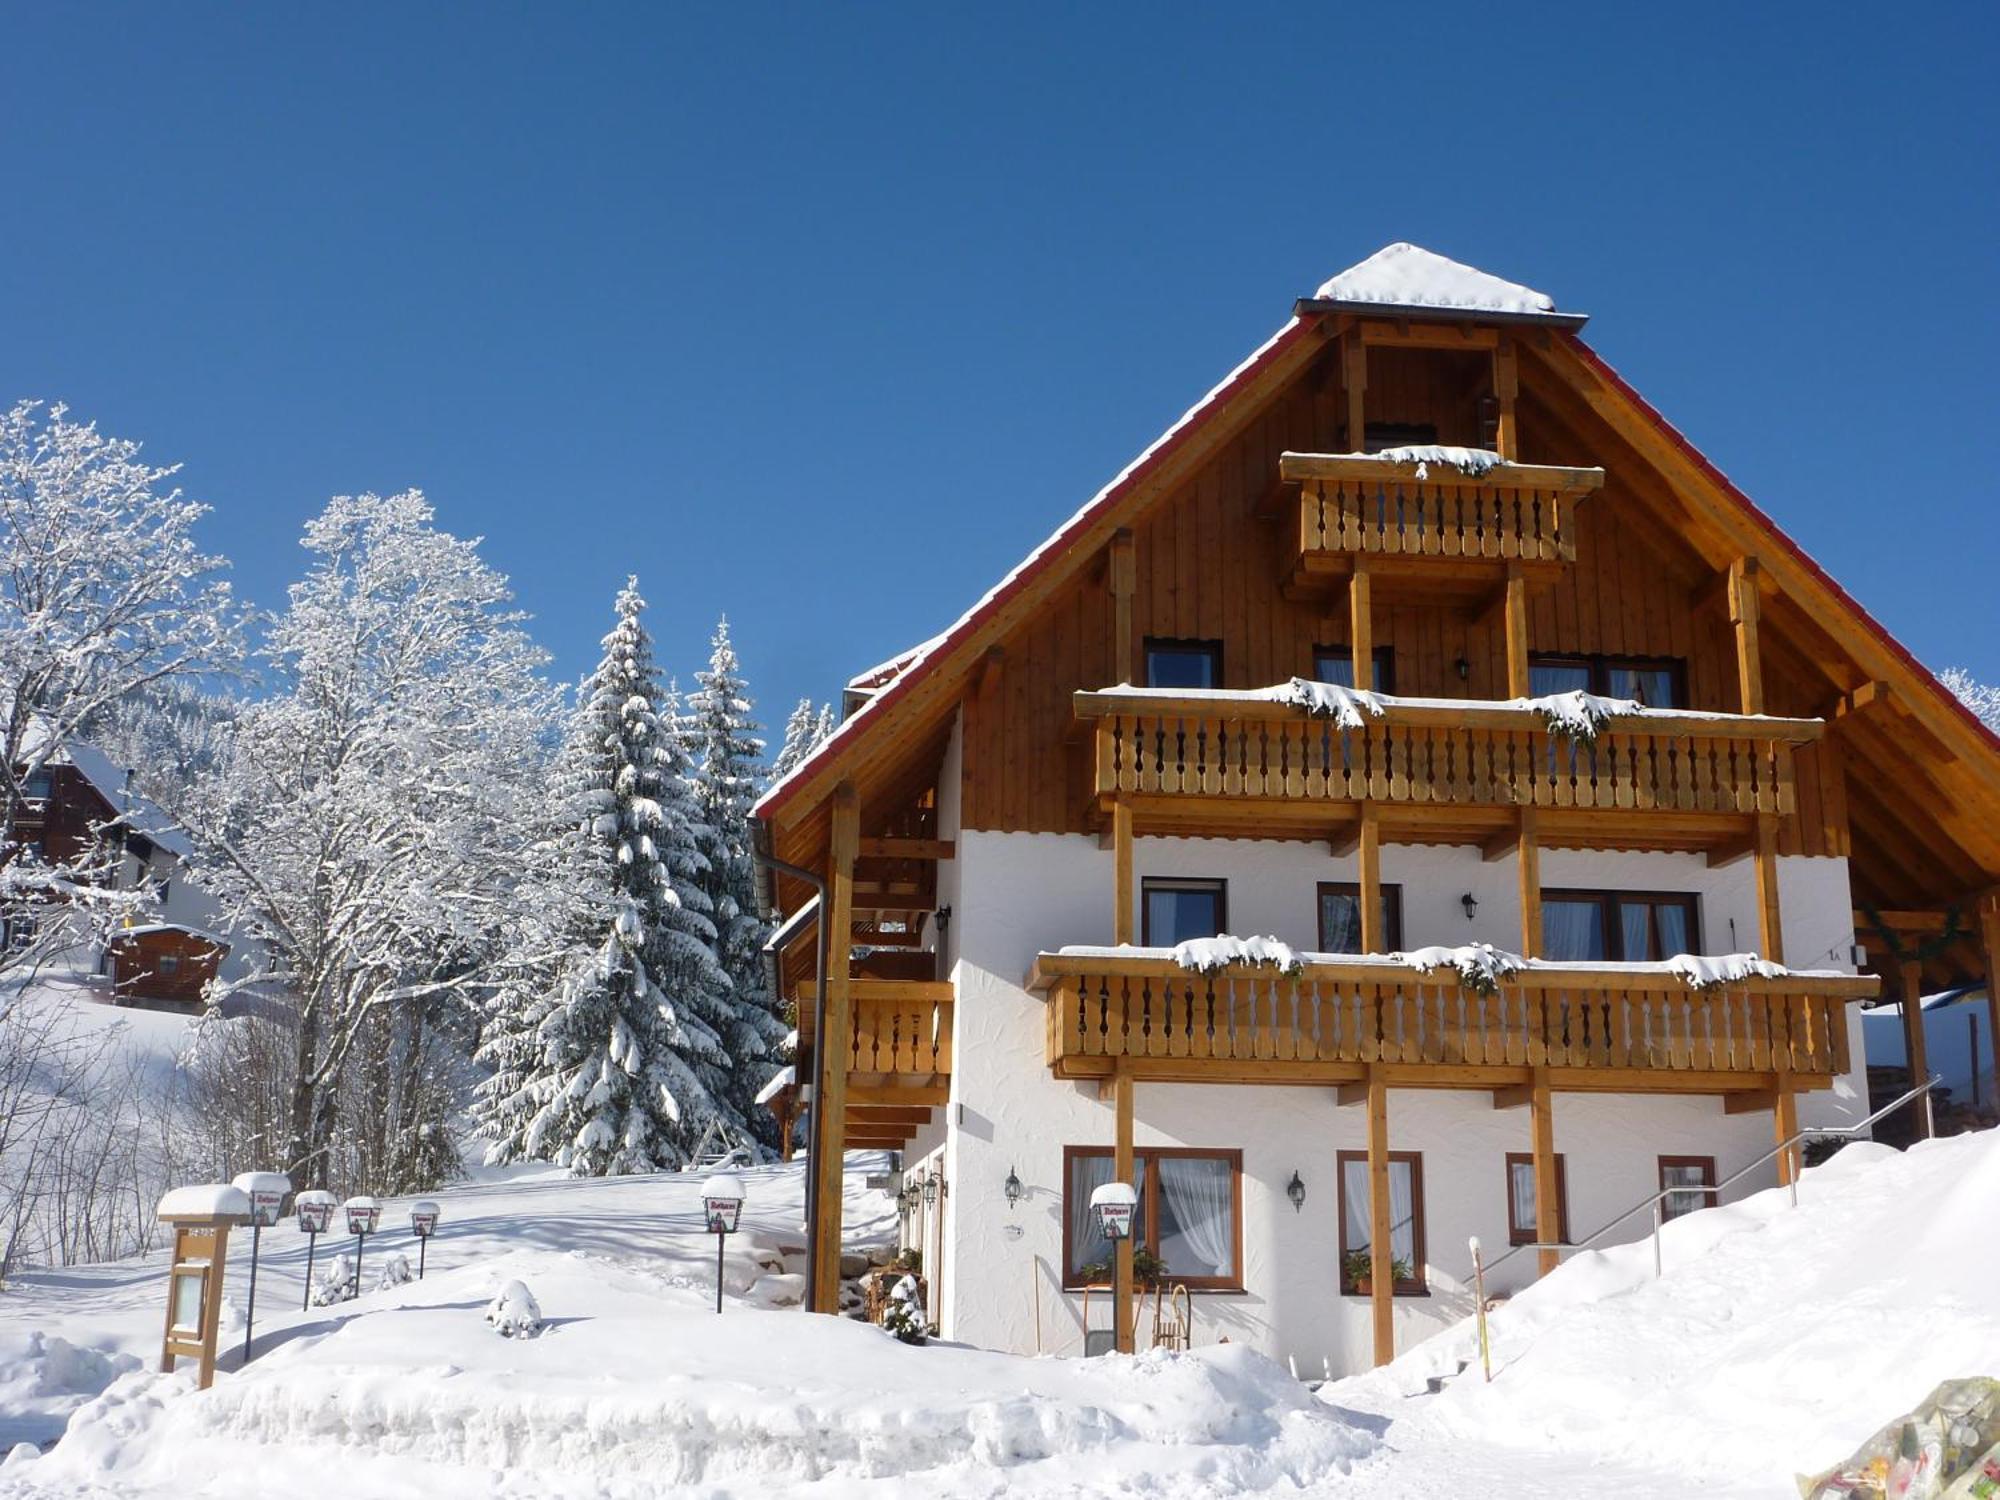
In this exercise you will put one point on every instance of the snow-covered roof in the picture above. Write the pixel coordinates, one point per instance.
(1410, 278)
(885, 672)
(140, 815)
(141, 929)
(782, 935)
(786, 1077)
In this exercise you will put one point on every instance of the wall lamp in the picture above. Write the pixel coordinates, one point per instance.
(1296, 1191)
(1012, 1187)
(1471, 904)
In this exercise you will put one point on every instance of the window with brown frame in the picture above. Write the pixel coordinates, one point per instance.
(1522, 1209)
(1340, 917)
(1173, 911)
(1183, 664)
(1656, 681)
(1406, 1220)
(1190, 1213)
(1583, 926)
(1336, 664)
(1695, 1175)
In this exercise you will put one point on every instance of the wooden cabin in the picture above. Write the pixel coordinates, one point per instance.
(163, 964)
(1579, 808)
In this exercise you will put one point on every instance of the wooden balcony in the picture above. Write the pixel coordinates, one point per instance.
(1605, 1028)
(1438, 772)
(898, 1055)
(1424, 527)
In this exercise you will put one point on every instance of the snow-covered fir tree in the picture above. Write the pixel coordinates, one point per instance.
(632, 1055)
(722, 736)
(1981, 697)
(803, 730)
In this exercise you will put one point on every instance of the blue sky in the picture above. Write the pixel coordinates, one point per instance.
(824, 316)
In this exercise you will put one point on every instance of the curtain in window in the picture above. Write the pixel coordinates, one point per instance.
(1572, 930)
(1652, 686)
(1354, 1189)
(1339, 922)
(1197, 1234)
(1684, 1203)
(1545, 678)
(1334, 667)
(1086, 1245)
(1402, 1211)
(1635, 918)
(1521, 1194)
(1675, 936)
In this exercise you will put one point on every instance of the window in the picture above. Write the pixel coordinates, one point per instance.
(1618, 926)
(1377, 436)
(1691, 1172)
(1406, 1220)
(38, 786)
(20, 932)
(1183, 664)
(1190, 1213)
(1340, 917)
(1656, 681)
(167, 966)
(1522, 1220)
(1174, 911)
(1336, 664)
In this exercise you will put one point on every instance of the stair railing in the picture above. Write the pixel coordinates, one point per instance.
(1657, 1202)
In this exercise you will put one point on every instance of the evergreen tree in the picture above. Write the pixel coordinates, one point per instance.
(801, 734)
(828, 722)
(723, 735)
(629, 1068)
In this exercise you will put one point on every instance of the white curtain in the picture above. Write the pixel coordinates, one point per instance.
(1521, 1189)
(1198, 1216)
(1572, 930)
(1402, 1211)
(1086, 1245)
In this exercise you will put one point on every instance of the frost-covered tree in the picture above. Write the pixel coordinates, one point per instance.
(103, 593)
(722, 735)
(803, 730)
(632, 1053)
(365, 829)
(1981, 697)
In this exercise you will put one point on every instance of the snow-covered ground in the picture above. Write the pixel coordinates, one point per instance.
(1778, 1340)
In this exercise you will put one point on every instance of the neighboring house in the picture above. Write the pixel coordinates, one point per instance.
(1035, 828)
(80, 798)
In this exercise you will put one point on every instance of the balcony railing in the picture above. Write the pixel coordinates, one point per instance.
(1355, 505)
(1639, 1027)
(1239, 747)
(901, 1028)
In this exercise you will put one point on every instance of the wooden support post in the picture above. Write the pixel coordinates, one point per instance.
(1124, 577)
(1770, 920)
(1123, 918)
(1911, 974)
(1381, 1261)
(1529, 866)
(1548, 1188)
(831, 1050)
(1784, 1121)
(1989, 936)
(1372, 936)
(1361, 625)
(1743, 618)
(1506, 388)
(1121, 1170)
(1517, 631)
(1354, 373)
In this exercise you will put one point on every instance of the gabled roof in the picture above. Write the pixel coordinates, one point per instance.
(1406, 279)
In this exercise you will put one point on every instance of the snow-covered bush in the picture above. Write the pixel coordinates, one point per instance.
(333, 1282)
(395, 1272)
(514, 1313)
(903, 1318)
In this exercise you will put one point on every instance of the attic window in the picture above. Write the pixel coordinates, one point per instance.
(1183, 664)
(1380, 436)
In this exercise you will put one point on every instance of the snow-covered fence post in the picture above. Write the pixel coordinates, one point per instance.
(362, 1214)
(266, 1192)
(423, 1224)
(722, 1202)
(315, 1210)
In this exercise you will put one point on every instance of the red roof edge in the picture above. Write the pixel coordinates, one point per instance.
(1046, 556)
(1881, 632)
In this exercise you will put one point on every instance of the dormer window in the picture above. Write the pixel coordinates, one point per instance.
(1379, 437)
(1183, 664)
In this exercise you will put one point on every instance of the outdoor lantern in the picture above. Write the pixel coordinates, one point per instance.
(266, 1192)
(930, 1190)
(1471, 904)
(423, 1224)
(1296, 1191)
(1012, 1187)
(722, 1205)
(363, 1214)
(1116, 1204)
(315, 1208)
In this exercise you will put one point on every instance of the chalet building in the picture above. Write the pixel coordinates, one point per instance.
(79, 804)
(1172, 860)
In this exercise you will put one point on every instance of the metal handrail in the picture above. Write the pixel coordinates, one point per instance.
(1714, 1190)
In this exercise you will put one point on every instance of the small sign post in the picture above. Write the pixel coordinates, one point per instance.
(1116, 1205)
(363, 1214)
(1479, 1293)
(315, 1208)
(423, 1224)
(722, 1206)
(266, 1192)
(201, 1217)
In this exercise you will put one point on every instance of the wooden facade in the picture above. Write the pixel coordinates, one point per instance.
(1293, 517)
(164, 965)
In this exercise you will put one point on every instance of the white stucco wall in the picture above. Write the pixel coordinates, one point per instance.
(1017, 894)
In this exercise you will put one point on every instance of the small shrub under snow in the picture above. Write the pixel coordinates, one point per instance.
(395, 1272)
(515, 1314)
(903, 1318)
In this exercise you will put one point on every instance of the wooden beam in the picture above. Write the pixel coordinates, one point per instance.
(1121, 1170)
(1743, 618)
(1770, 922)
(1529, 863)
(1502, 844)
(1350, 1093)
(1514, 1096)
(1729, 851)
(908, 849)
(1914, 923)
(1361, 625)
(1372, 936)
(1548, 1189)
(1124, 576)
(1749, 1102)
(830, 1093)
(1381, 1265)
(1354, 376)
(1785, 1124)
(1911, 974)
(1506, 388)
(1125, 911)
(1989, 942)
(1517, 631)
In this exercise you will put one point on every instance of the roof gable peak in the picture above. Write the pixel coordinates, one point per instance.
(1409, 278)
